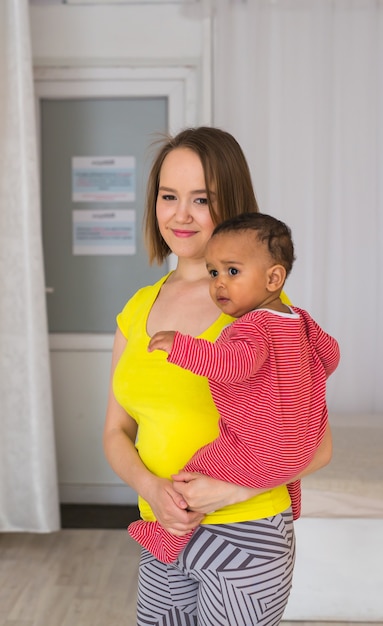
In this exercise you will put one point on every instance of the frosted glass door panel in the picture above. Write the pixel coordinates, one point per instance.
(86, 291)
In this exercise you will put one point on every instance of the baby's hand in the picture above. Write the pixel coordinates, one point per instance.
(163, 340)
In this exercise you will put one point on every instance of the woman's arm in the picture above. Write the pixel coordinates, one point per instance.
(205, 494)
(120, 432)
(322, 457)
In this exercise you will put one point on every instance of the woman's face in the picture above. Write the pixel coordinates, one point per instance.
(182, 208)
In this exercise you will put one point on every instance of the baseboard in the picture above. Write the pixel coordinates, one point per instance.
(97, 516)
(106, 494)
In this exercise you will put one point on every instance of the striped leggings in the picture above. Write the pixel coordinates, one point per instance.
(228, 575)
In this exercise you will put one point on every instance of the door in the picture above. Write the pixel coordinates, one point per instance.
(95, 138)
(94, 156)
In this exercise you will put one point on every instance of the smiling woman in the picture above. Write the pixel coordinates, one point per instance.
(158, 414)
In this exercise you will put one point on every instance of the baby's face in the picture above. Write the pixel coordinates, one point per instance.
(238, 264)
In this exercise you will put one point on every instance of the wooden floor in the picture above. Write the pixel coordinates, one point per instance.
(75, 577)
(70, 578)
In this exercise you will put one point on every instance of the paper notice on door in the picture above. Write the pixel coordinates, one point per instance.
(104, 232)
(104, 179)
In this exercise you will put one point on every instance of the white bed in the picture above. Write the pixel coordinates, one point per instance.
(339, 569)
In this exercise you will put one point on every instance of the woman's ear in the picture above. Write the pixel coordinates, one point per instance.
(276, 276)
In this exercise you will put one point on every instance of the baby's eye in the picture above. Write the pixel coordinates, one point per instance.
(213, 273)
(232, 271)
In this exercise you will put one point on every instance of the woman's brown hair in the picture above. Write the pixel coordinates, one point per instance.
(225, 168)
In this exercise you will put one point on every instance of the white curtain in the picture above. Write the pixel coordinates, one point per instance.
(28, 478)
(300, 85)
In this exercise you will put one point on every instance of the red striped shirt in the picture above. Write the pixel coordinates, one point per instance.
(267, 374)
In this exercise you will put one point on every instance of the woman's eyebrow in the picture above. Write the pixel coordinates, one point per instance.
(193, 191)
(162, 188)
(212, 193)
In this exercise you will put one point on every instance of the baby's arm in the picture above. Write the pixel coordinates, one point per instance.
(328, 351)
(229, 361)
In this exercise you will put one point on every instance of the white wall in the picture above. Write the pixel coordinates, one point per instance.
(116, 32)
(125, 35)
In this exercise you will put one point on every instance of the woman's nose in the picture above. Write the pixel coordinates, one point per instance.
(183, 213)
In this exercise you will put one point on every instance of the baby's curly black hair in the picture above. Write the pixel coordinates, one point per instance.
(269, 230)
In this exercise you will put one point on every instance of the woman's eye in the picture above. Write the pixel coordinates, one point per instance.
(168, 196)
(232, 271)
(201, 200)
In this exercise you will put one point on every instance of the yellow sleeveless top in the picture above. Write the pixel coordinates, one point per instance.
(174, 409)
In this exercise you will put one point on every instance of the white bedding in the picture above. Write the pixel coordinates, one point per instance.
(352, 484)
(339, 573)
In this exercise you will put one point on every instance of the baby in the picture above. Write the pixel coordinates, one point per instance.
(267, 371)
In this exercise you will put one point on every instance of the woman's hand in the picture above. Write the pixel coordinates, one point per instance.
(206, 494)
(171, 509)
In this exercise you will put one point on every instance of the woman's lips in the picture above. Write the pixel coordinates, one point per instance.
(183, 233)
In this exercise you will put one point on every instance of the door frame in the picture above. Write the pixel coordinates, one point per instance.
(176, 83)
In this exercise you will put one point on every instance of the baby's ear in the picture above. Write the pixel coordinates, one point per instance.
(276, 276)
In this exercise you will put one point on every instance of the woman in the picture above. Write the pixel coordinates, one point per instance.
(237, 568)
